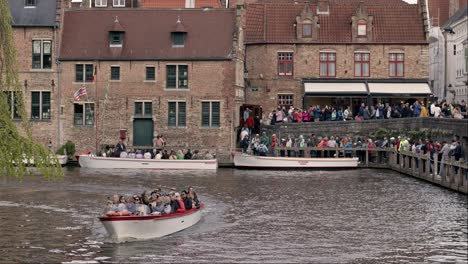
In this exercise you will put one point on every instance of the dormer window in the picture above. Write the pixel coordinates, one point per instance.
(178, 39)
(116, 39)
(362, 29)
(30, 3)
(306, 30)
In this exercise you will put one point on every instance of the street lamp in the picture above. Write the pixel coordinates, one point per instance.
(447, 30)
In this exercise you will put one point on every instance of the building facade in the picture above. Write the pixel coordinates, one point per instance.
(149, 72)
(456, 34)
(328, 52)
(36, 34)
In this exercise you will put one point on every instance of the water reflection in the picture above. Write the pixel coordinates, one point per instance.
(357, 216)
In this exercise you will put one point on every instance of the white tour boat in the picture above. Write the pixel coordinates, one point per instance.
(90, 161)
(150, 226)
(250, 161)
(62, 159)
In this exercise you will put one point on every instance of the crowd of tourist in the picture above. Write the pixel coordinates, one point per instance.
(365, 112)
(156, 203)
(158, 152)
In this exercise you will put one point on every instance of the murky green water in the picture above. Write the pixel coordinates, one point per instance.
(357, 216)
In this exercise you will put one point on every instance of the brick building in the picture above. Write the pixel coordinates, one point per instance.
(332, 52)
(36, 34)
(147, 72)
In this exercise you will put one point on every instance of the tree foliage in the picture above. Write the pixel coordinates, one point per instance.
(16, 143)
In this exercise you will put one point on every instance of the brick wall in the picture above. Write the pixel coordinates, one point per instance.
(37, 80)
(208, 80)
(262, 67)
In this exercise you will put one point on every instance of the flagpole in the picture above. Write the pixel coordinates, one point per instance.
(96, 110)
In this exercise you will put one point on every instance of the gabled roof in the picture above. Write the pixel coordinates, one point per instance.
(394, 21)
(459, 15)
(42, 15)
(179, 3)
(148, 34)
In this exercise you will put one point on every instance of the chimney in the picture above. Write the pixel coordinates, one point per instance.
(323, 7)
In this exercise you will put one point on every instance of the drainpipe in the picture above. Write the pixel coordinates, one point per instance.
(59, 99)
(445, 32)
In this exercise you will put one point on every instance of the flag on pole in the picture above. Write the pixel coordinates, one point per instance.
(81, 92)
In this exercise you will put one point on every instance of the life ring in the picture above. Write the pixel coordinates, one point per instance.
(119, 214)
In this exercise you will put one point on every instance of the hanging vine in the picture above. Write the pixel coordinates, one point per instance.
(17, 147)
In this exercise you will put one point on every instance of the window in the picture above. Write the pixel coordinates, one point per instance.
(285, 100)
(150, 73)
(285, 63)
(84, 73)
(176, 114)
(144, 108)
(466, 59)
(40, 105)
(307, 30)
(362, 30)
(361, 64)
(118, 3)
(83, 114)
(115, 73)
(100, 3)
(12, 100)
(178, 39)
(29, 3)
(210, 114)
(42, 54)
(327, 64)
(116, 39)
(177, 76)
(454, 50)
(396, 64)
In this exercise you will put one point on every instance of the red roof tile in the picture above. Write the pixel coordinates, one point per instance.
(148, 34)
(394, 21)
(179, 3)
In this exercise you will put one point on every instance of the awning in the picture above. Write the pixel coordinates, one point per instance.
(399, 89)
(335, 88)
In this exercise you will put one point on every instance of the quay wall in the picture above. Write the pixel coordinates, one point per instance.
(436, 128)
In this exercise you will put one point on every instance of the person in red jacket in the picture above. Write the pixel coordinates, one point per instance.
(250, 123)
(181, 203)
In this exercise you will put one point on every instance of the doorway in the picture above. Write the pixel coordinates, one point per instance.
(143, 132)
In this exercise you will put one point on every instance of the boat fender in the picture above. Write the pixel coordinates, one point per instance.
(119, 214)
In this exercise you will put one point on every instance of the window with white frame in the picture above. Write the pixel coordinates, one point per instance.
(150, 73)
(361, 64)
(30, 3)
(115, 73)
(285, 100)
(40, 105)
(176, 114)
(397, 65)
(118, 3)
(143, 108)
(100, 3)
(42, 54)
(83, 114)
(211, 111)
(327, 64)
(12, 101)
(84, 72)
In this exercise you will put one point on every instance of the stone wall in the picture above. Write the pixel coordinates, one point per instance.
(441, 129)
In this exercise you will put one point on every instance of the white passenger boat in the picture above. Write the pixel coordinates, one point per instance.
(62, 159)
(249, 161)
(151, 226)
(90, 161)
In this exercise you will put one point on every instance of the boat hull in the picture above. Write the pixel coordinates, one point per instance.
(88, 161)
(249, 161)
(62, 159)
(147, 227)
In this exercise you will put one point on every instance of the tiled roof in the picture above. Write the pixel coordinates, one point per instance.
(394, 21)
(179, 3)
(43, 14)
(148, 34)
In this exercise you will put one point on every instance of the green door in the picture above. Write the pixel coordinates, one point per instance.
(143, 132)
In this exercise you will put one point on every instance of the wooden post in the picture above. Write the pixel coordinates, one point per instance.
(367, 157)
(436, 164)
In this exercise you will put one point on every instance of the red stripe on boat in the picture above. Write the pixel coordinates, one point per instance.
(149, 217)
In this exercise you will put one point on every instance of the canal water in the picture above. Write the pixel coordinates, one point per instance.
(353, 216)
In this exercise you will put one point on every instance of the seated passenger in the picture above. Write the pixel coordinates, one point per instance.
(180, 154)
(167, 205)
(208, 156)
(112, 205)
(187, 200)
(130, 206)
(181, 208)
(173, 155)
(165, 155)
(140, 209)
(174, 203)
(188, 155)
(147, 155)
(158, 155)
(138, 154)
(123, 154)
(122, 207)
(196, 155)
(158, 208)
